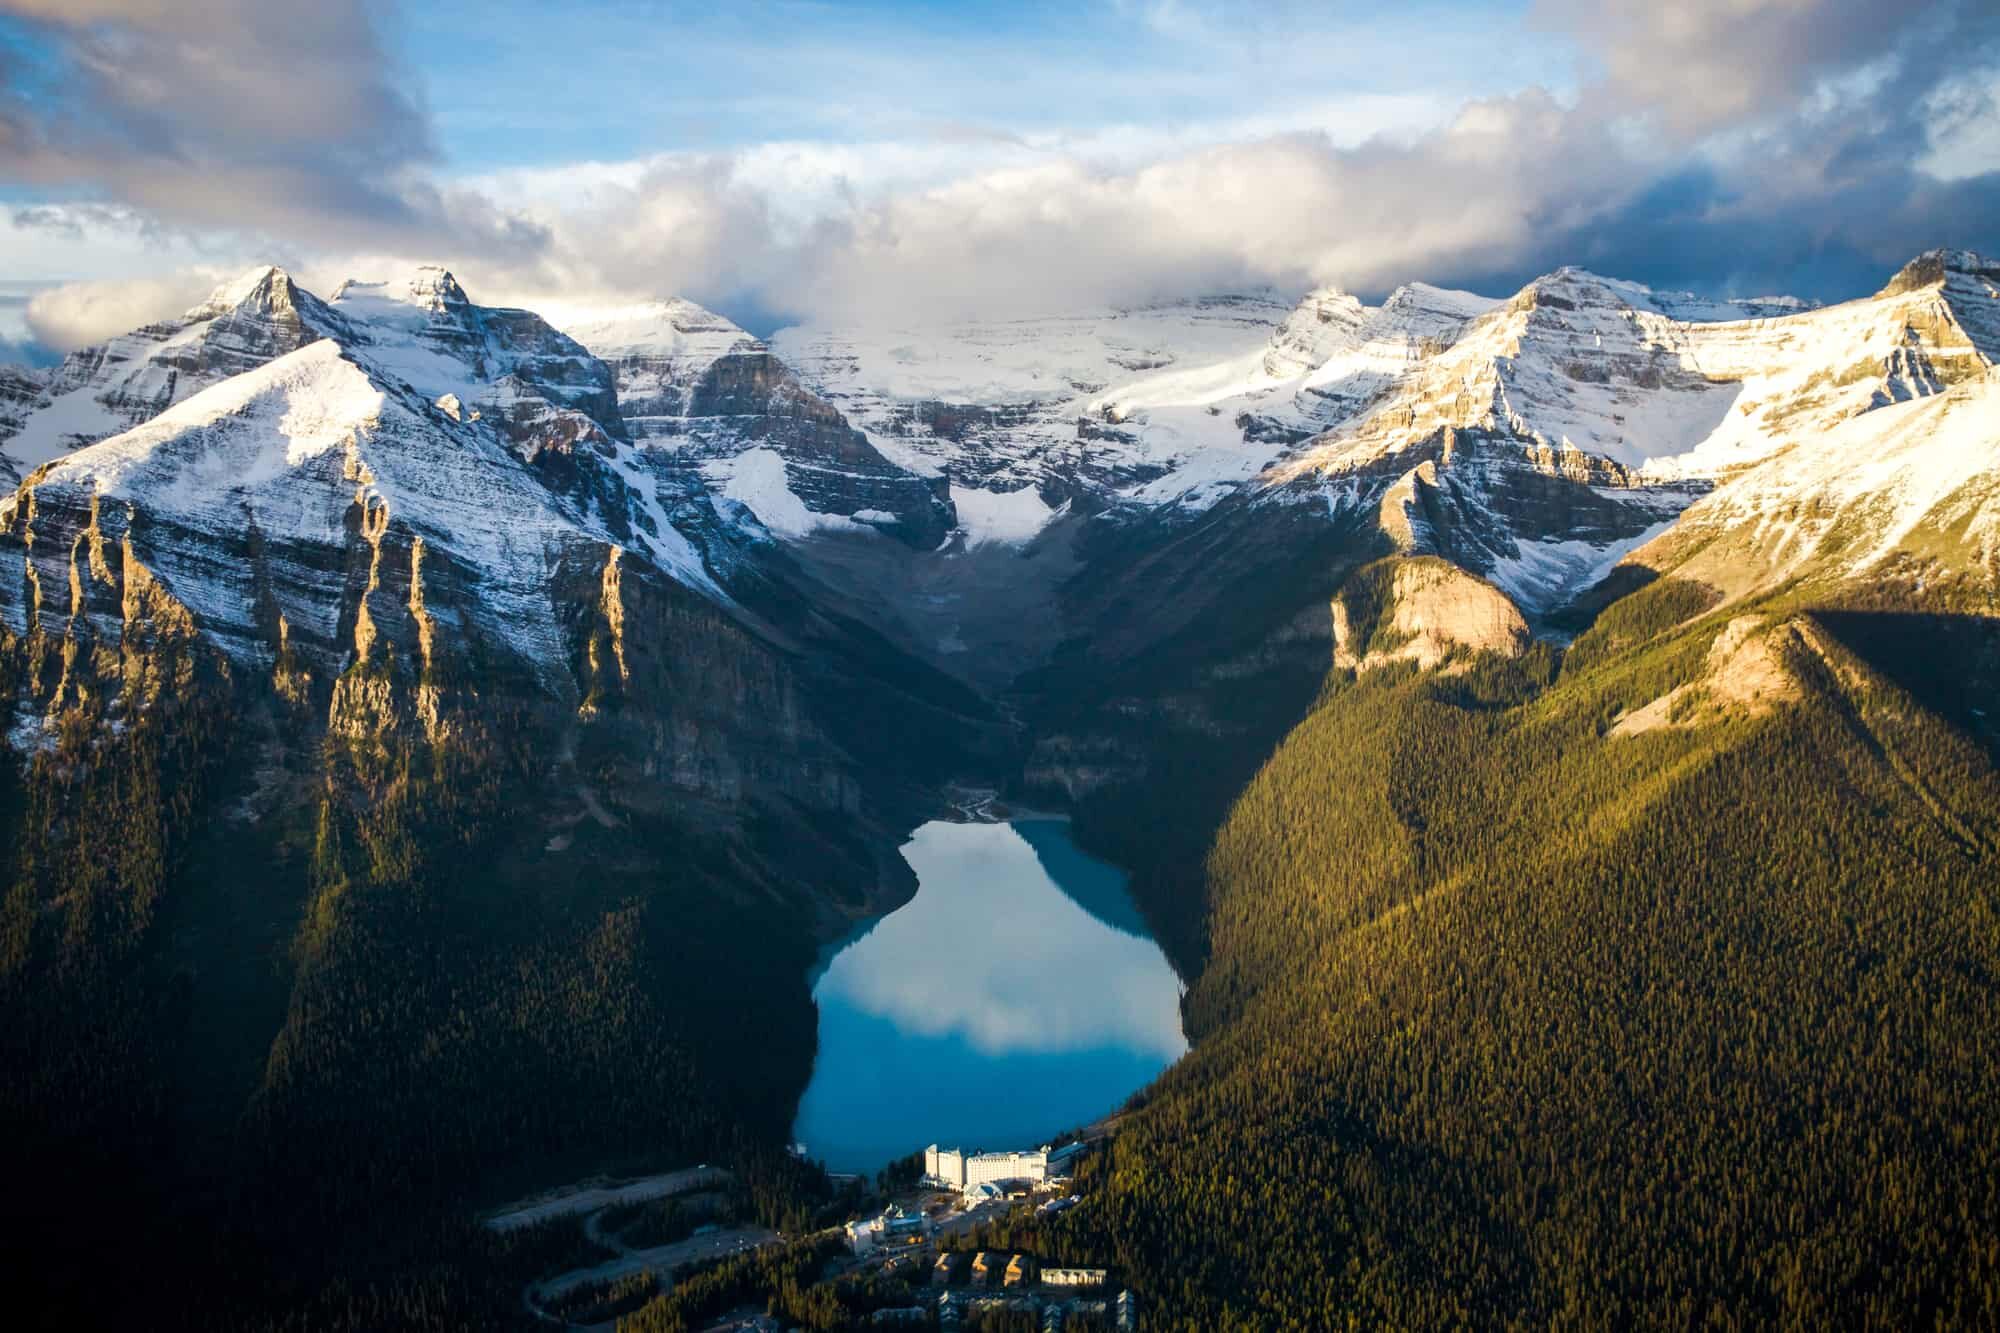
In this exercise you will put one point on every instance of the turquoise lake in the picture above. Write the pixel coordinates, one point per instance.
(1018, 994)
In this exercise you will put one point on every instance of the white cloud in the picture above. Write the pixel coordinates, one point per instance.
(77, 314)
(1965, 128)
(1785, 152)
(837, 234)
(221, 112)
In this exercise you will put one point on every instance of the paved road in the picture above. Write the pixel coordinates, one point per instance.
(662, 1259)
(590, 1198)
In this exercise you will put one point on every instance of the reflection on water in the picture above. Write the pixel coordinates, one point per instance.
(1017, 994)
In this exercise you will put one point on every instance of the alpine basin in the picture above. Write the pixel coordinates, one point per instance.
(1017, 995)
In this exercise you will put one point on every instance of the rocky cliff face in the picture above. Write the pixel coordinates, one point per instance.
(342, 542)
(428, 529)
(22, 391)
(1423, 611)
(699, 394)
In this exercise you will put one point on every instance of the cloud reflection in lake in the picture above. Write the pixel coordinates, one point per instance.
(992, 1009)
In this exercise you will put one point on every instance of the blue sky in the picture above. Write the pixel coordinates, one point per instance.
(624, 79)
(903, 162)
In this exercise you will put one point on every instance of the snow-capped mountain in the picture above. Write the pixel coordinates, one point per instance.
(1002, 407)
(1907, 492)
(99, 391)
(288, 467)
(427, 525)
(1588, 368)
(700, 394)
(660, 351)
(1572, 422)
(423, 428)
(540, 388)
(1190, 402)
(1533, 441)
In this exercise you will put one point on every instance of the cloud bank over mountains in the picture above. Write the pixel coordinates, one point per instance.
(1788, 144)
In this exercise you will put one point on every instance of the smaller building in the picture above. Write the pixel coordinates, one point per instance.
(950, 1268)
(1127, 1307)
(1020, 1271)
(892, 1228)
(1073, 1277)
(901, 1316)
(987, 1267)
(1062, 1161)
(1052, 1319)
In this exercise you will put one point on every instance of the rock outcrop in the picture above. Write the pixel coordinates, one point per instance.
(1747, 673)
(1423, 611)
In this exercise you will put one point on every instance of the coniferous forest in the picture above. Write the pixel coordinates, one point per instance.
(1502, 1016)
(1507, 1020)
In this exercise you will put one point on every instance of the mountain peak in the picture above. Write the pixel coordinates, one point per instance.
(1935, 266)
(265, 287)
(1571, 286)
(1422, 296)
(434, 285)
(425, 287)
(651, 326)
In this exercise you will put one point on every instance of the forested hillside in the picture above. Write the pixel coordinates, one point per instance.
(1529, 1005)
(301, 974)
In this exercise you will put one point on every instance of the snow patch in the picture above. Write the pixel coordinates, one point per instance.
(756, 479)
(676, 328)
(70, 421)
(1544, 574)
(1010, 518)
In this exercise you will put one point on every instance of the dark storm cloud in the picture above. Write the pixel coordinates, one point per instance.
(1707, 64)
(1796, 133)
